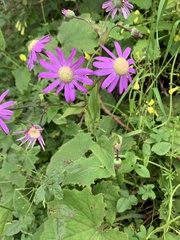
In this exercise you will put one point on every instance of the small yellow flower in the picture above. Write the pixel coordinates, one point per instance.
(23, 57)
(136, 20)
(177, 38)
(136, 86)
(138, 55)
(151, 102)
(151, 110)
(122, 30)
(22, 30)
(86, 56)
(137, 12)
(172, 90)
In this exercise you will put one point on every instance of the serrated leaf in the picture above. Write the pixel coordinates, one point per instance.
(111, 196)
(88, 214)
(22, 77)
(85, 171)
(70, 36)
(69, 152)
(161, 148)
(142, 171)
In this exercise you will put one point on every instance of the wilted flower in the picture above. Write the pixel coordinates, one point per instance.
(5, 113)
(121, 6)
(32, 134)
(67, 74)
(118, 68)
(35, 48)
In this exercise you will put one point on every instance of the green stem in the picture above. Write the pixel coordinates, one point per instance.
(10, 59)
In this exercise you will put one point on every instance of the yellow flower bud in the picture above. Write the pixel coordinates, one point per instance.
(138, 55)
(22, 30)
(137, 12)
(136, 86)
(172, 90)
(23, 57)
(151, 110)
(136, 20)
(17, 24)
(151, 102)
(177, 38)
(87, 56)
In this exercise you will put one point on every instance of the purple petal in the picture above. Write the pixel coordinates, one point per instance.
(38, 47)
(3, 95)
(114, 13)
(118, 49)
(83, 79)
(78, 63)
(108, 80)
(73, 53)
(103, 72)
(61, 57)
(61, 86)
(51, 86)
(126, 52)
(48, 66)
(48, 75)
(6, 104)
(132, 70)
(103, 64)
(80, 87)
(54, 60)
(3, 126)
(123, 84)
(104, 59)
(130, 61)
(83, 71)
(109, 52)
(113, 84)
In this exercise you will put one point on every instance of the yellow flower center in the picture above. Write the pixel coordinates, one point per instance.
(32, 44)
(34, 133)
(65, 74)
(121, 66)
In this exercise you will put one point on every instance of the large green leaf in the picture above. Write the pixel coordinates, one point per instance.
(69, 152)
(77, 34)
(85, 171)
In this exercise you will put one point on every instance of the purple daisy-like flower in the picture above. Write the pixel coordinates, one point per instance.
(5, 113)
(35, 48)
(32, 134)
(118, 68)
(67, 74)
(121, 6)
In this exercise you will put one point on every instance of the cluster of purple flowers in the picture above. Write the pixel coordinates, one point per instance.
(69, 75)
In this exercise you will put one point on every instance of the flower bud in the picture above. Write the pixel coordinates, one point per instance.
(68, 13)
(135, 33)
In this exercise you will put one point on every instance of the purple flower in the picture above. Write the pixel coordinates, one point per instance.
(5, 113)
(121, 6)
(32, 135)
(67, 74)
(118, 68)
(35, 48)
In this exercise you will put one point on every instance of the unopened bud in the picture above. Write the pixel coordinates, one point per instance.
(68, 13)
(135, 33)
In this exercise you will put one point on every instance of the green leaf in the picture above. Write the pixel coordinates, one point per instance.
(69, 36)
(39, 194)
(142, 4)
(69, 152)
(92, 115)
(88, 214)
(147, 192)
(142, 171)
(85, 171)
(2, 42)
(12, 228)
(22, 77)
(5, 216)
(51, 112)
(129, 163)
(92, 7)
(105, 155)
(161, 148)
(20, 203)
(73, 110)
(126, 201)
(111, 196)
